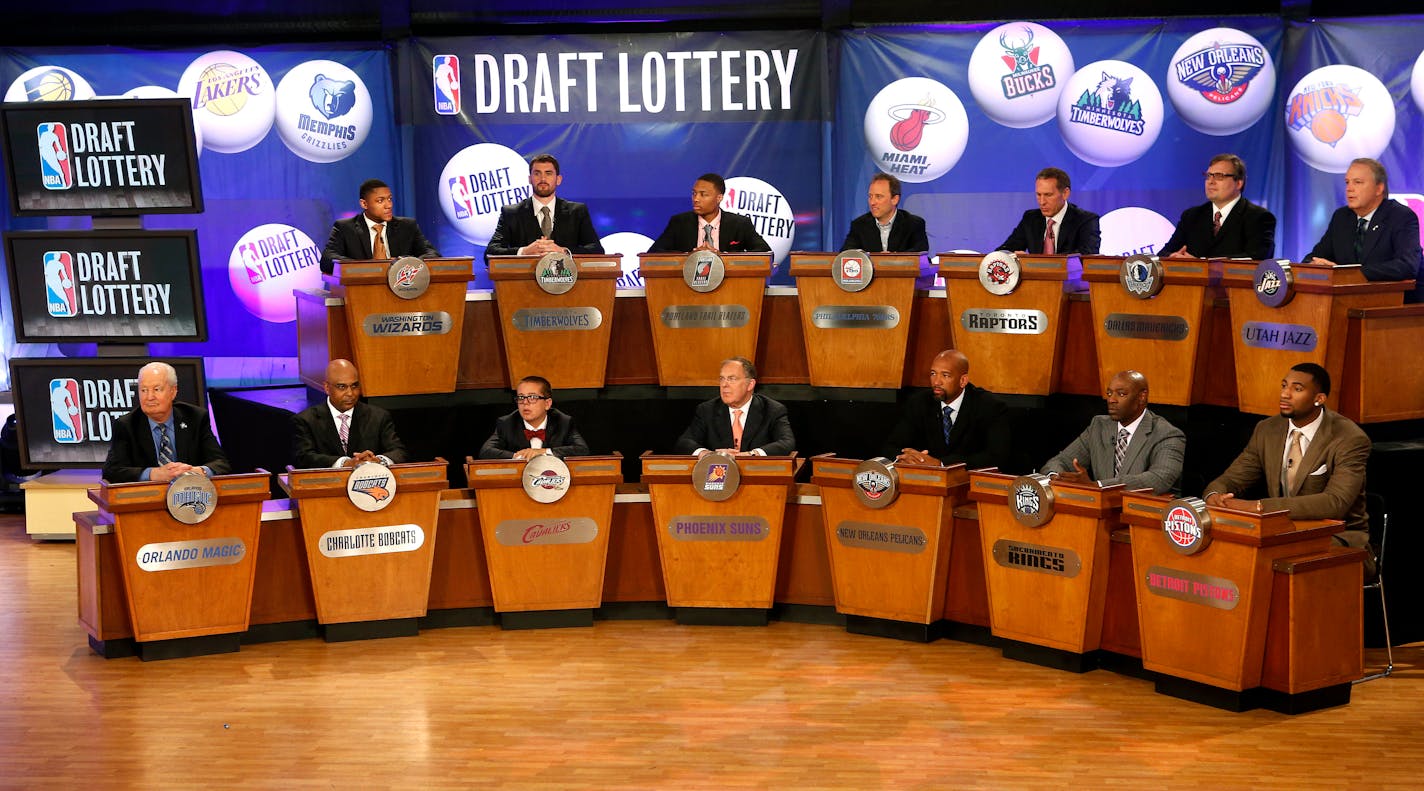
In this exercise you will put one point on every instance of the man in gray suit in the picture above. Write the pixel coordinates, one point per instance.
(1129, 445)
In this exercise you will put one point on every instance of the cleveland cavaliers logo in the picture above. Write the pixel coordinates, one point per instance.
(1221, 73)
(1325, 109)
(1109, 105)
(1026, 76)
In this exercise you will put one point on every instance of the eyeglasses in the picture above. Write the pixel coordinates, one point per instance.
(1210, 176)
(728, 380)
(343, 387)
(530, 398)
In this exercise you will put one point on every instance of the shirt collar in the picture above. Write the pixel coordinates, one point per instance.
(371, 224)
(888, 222)
(336, 413)
(1226, 209)
(152, 424)
(531, 427)
(539, 204)
(1058, 218)
(715, 221)
(1309, 429)
(956, 404)
(1132, 427)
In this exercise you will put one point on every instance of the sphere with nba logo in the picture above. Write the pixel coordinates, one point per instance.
(1416, 83)
(159, 92)
(1110, 113)
(233, 99)
(49, 84)
(323, 111)
(916, 129)
(767, 208)
(266, 264)
(1337, 114)
(476, 183)
(1016, 73)
(1221, 81)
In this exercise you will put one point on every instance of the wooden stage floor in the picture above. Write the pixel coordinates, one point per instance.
(638, 704)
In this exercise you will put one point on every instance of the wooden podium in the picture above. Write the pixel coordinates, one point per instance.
(546, 560)
(1312, 327)
(1047, 584)
(693, 331)
(719, 559)
(563, 337)
(370, 570)
(856, 338)
(1268, 603)
(1014, 342)
(404, 346)
(890, 565)
(189, 586)
(1161, 336)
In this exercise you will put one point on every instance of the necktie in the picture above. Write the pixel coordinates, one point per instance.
(946, 419)
(344, 431)
(546, 225)
(534, 433)
(1120, 449)
(1216, 224)
(1048, 239)
(378, 250)
(707, 236)
(1360, 240)
(1293, 457)
(165, 449)
(737, 429)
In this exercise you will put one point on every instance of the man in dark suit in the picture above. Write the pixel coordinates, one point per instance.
(740, 422)
(886, 228)
(544, 223)
(707, 227)
(954, 421)
(162, 439)
(1130, 445)
(535, 428)
(1311, 460)
(1057, 226)
(370, 434)
(1227, 225)
(376, 232)
(1379, 234)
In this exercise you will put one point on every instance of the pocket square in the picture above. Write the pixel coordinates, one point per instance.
(1320, 470)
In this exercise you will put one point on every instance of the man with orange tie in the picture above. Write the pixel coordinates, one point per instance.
(534, 428)
(1056, 226)
(375, 233)
(740, 422)
(707, 227)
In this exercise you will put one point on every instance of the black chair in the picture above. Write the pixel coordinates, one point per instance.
(1379, 531)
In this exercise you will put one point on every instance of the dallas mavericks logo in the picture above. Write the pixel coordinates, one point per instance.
(1222, 72)
(447, 84)
(1109, 106)
(53, 145)
(1025, 75)
(461, 200)
(59, 284)
(332, 98)
(1324, 109)
(65, 411)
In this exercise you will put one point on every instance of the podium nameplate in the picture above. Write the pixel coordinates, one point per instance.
(1275, 335)
(1037, 557)
(370, 541)
(1192, 587)
(549, 319)
(683, 317)
(881, 537)
(855, 317)
(1146, 326)
(1005, 321)
(553, 530)
(712, 527)
(170, 555)
(390, 325)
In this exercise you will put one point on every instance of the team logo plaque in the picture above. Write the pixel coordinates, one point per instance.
(999, 272)
(546, 478)
(875, 482)
(371, 486)
(556, 272)
(1274, 283)
(408, 277)
(1141, 276)
(703, 271)
(852, 270)
(191, 498)
(716, 477)
(1187, 525)
(1031, 500)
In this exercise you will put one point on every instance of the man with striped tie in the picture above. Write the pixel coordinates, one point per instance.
(163, 438)
(1129, 445)
(341, 431)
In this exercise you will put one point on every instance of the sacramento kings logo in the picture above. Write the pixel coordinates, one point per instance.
(1031, 500)
(546, 478)
(191, 498)
(999, 272)
(875, 482)
(1187, 525)
(1141, 276)
(408, 277)
(556, 273)
(1274, 282)
(371, 486)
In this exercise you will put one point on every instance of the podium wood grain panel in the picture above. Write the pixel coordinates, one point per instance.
(281, 588)
(459, 572)
(1316, 627)
(482, 362)
(567, 358)
(803, 572)
(781, 347)
(930, 334)
(1121, 634)
(102, 599)
(1216, 380)
(966, 593)
(634, 572)
(1028, 364)
(1378, 384)
(871, 357)
(689, 356)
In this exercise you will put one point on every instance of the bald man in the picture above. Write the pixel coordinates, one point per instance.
(369, 433)
(1129, 445)
(952, 422)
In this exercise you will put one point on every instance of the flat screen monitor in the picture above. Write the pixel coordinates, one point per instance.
(105, 286)
(65, 408)
(101, 157)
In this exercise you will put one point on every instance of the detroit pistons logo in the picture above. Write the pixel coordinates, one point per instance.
(1026, 76)
(1325, 110)
(916, 128)
(1181, 527)
(873, 484)
(1221, 73)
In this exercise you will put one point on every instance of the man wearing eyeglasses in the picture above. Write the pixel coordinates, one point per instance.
(341, 431)
(740, 422)
(534, 428)
(1227, 225)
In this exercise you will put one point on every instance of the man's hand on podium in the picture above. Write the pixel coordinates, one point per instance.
(540, 247)
(529, 453)
(1228, 500)
(912, 456)
(171, 470)
(1078, 475)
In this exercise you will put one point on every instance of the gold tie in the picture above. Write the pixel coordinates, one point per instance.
(379, 250)
(1293, 457)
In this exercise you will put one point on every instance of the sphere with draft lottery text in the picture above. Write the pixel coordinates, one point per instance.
(916, 129)
(476, 183)
(266, 264)
(1337, 114)
(1221, 81)
(1017, 72)
(323, 111)
(1110, 113)
(233, 99)
(159, 92)
(49, 84)
(768, 210)
(1132, 230)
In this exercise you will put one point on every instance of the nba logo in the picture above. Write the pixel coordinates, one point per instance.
(461, 198)
(447, 85)
(250, 259)
(59, 284)
(64, 410)
(53, 144)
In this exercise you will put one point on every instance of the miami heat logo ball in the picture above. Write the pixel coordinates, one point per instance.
(916, 129)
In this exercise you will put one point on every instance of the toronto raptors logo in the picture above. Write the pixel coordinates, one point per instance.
(910, 123)
(997, 272)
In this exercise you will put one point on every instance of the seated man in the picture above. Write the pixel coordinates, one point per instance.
(543, 222)
(375, 233)
(740, 422)
(535, 427)
(341, 431)
(707, 227)
(163, 438)
(1227, 225)
(1379, 234)
(1311, 460)
(886, 228)
(1056, 226)
(954, 421)
(1129, 446)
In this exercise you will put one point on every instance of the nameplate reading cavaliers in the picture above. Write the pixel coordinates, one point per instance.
(1006, 321)
(885, 538)
(1146, 327)
(697, 527)
(1273, 335)
(1058, 561)
(855, 317)
(170, 555)
(554, 530)
(1196, 588)
(686, 317)
(386, 325)
(546, 319)
(371, 541)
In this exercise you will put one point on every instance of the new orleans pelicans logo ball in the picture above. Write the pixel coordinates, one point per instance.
(1221, 81)
(916, 129)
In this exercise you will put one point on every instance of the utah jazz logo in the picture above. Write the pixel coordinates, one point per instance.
(1025, 75)
(1110, 106)
(1222, 72)
(1325, 109)
(910, 123)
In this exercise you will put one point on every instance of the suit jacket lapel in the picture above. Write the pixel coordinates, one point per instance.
(1139, 440)
(1314, 454)
(751, 421)
(1373, 232)
(1274, 453)
(363, 236)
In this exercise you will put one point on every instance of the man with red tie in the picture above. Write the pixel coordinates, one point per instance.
(739, 422)
(1056, 227)
(535, 427)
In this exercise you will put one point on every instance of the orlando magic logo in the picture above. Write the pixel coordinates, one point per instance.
(1325, 109)
(199, 501)
(1026, 76)
(191, 498)
(1222, 72)
(1109, 105)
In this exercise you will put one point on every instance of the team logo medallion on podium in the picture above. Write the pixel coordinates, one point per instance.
(703, 270)
(408, 277)
(852, 270)
(999, 272)
(875, 482)
(191, 498)
(546, 478)
(1031, 500)
(1275, 285)
(1141, 276)
(371, 486)
(556, 272)
(716, 477)
(1187, 525)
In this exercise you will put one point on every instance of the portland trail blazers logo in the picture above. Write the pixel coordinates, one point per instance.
(1325, 110)
(1026, 76)
(1109, 106)
(1221, 73)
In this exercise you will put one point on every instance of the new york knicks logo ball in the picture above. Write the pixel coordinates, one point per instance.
(49, 84)
(1017, 72)
(1221, 81)
(323, 111)
(1110, 113)
(476, 183)
(1337, 114)
(233, 99)
(916, 129)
